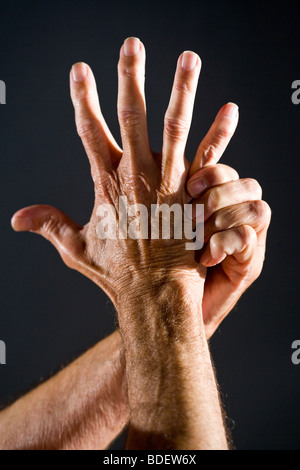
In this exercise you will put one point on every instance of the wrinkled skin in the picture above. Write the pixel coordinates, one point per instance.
(236, 219)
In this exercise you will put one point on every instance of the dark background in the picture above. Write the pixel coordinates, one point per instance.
(250, 53)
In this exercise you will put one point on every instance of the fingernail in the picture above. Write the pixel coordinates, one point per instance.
(131, 46)
(79, 71)
(197, 187)
(230, 110)
(188, 61)
(22, 223)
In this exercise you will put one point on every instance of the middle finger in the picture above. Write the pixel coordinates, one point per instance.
(131, 102)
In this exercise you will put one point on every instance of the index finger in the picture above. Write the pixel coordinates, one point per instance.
(101, 148)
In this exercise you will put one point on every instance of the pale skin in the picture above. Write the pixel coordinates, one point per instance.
(165, 299)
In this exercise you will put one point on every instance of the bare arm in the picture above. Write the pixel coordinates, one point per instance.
(141, 174)
(172, 392)
(82, 407)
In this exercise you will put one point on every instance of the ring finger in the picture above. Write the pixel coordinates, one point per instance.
(256, 214)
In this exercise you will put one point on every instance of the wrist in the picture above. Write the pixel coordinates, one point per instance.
(166, 304)
(161, 328)
(168, 365)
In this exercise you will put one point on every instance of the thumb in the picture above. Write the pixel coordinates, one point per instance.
(55, 226)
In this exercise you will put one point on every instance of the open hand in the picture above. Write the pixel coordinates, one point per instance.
(236, 218)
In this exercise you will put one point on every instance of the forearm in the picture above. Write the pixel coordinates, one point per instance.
(83, 407)
(172, 391)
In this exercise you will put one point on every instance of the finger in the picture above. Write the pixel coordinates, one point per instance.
(178, 116)
(101, 148)
(218, 137)
(209, 177)
(238, 251)
(131, 101)
(228, 194)
(53, 225)
(239, 242)
(256, 214)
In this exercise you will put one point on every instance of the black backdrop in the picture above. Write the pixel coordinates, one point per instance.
(49, 314)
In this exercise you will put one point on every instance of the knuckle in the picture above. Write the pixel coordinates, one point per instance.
(218, 222)
(223, 173)
(209, 152)
(266, 211)
(232, 173)
(87, 130)
(175, 128)
(213, 200)
(215, 241)
(222, 133)
(246, 234)
(214, 244)
(254, 209)
(253, 186)
(50, 226)
(183, 86)
(128, 71)
(129, 117)
(136, 186)
(259, 210)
